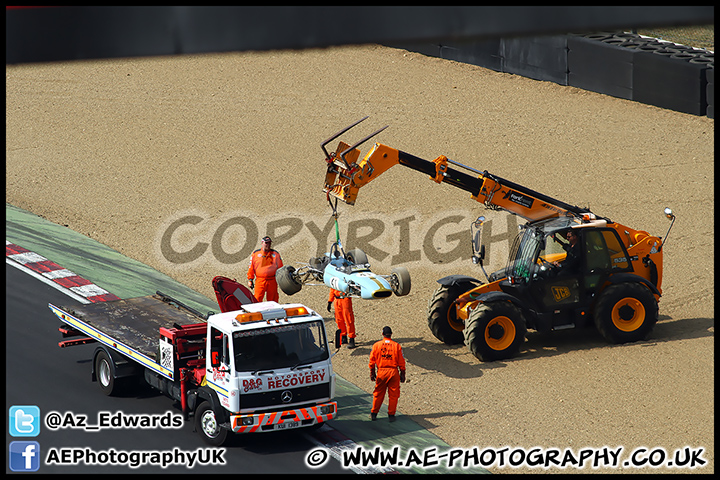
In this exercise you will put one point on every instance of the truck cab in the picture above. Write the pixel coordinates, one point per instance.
(269, 368)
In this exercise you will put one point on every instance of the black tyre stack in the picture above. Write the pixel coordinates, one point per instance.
(623, 65)
(643, 69)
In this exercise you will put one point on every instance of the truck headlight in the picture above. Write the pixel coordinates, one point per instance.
(245, 421)
(327, 409)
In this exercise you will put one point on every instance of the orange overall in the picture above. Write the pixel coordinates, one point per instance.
(263, 266)
(387, 355)
(344, 316)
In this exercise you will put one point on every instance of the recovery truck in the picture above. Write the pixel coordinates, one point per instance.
(615, 285)
(254, 367)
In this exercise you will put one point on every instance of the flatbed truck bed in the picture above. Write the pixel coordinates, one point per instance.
(130, 326)
(133, 321)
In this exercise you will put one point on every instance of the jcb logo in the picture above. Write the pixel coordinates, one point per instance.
(560, 293)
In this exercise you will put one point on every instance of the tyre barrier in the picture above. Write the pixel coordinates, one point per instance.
(710, 96)
(484, 54)
(601, 66)
(623, 65)
(673, 78)
(641, 69)
(540, 58)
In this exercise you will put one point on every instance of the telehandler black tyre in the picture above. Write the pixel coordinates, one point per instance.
(286, 280)
(495, 331)
(208, 426)
(442, 319)
(626, 312)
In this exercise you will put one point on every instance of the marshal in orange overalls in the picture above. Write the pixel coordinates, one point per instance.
(344, 315)
(387, 355)
(263, 266)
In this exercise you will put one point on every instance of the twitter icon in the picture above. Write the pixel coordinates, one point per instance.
(24, 421)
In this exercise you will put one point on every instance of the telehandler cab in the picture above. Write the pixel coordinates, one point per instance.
(614, 281)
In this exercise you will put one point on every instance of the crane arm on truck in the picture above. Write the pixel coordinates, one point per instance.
(346, 175)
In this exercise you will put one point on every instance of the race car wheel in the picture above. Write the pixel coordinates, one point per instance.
(442, 319)
(495, 330)
(357, 257)
(287, 280)
(207, 425)
(400, 281)
(626, 312)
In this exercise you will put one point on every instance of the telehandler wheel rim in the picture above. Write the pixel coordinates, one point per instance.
(500, 333)
(452, 319)
(628, 314)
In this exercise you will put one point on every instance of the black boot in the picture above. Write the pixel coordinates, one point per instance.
(352, 343)
(343, 340)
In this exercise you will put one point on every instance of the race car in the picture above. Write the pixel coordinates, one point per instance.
(348, 273)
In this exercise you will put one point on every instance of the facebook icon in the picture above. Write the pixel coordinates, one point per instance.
(24, 456)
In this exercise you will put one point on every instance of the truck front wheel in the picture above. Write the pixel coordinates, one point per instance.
(626, 312)
(207, 425)
(495, 330)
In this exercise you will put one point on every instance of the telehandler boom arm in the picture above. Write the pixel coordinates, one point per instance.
(345, 176)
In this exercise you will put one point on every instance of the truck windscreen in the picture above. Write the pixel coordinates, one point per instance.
(279, 346)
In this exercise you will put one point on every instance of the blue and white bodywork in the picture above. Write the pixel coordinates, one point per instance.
(348, 273)
(347, 277)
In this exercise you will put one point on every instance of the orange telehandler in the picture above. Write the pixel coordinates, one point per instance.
(568, 268)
